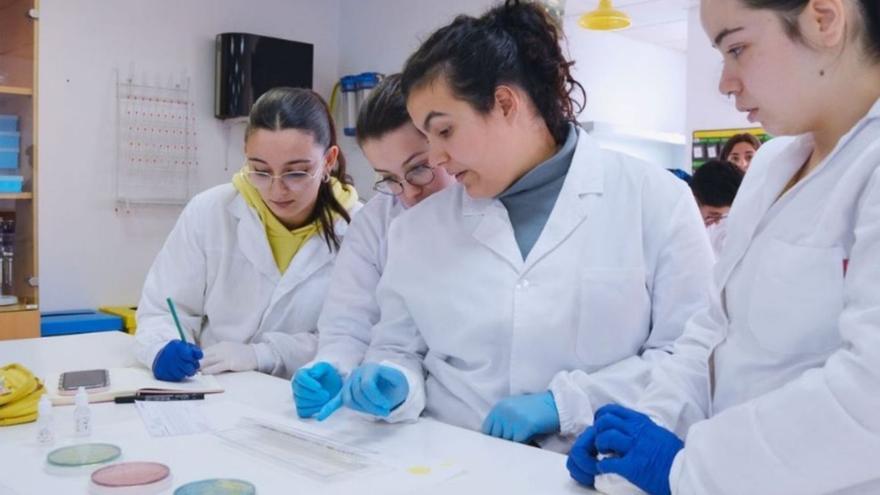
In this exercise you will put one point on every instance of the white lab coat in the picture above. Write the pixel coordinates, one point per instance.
(351, 309)
(621, 263)
(217, 267)
(795, 328)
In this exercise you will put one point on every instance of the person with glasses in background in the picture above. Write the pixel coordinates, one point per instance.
(399, 154)
(248, 264)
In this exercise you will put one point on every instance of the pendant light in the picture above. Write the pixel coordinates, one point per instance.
(604, 18)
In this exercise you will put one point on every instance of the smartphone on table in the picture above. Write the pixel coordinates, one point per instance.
(91, 380)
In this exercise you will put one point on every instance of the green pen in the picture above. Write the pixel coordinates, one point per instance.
(176, 321)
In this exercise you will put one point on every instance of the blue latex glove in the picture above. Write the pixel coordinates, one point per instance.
(176, 361)
(582, 458)
(642, 452)
(313, 387)
(373, 389)
(521, 417)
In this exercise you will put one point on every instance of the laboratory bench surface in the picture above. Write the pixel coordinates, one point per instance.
(481, 464)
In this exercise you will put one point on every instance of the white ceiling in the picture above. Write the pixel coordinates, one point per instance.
(661, 22)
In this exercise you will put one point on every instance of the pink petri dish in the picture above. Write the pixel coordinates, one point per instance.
(130, 474)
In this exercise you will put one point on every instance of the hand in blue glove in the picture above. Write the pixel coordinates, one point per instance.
(583, 458)
(373, 389)
(521, 417)
(313, 387)
(176, 361)
(642, 452)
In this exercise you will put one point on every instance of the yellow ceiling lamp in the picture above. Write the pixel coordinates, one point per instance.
(605, 18)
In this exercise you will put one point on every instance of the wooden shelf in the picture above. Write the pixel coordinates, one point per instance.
(23, 195)
(17, 307)
(16, 90)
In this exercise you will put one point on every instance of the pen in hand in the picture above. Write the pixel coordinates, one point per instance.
(176, 320)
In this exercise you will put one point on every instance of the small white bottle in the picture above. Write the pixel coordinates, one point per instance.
(45, 428)
(82, 415)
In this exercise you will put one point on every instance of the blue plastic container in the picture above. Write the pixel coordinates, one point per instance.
(54, 323)
(8, 123)
(11, 183)
(8, 157)
(10, 140)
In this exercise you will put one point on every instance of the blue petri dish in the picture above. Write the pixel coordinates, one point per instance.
(85, 454)
(217, 486)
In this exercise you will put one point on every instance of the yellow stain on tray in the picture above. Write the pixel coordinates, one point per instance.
(419, 470)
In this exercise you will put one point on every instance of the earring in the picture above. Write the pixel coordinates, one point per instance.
(326, 177)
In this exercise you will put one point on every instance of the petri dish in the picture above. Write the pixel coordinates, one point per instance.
(84, 454)
(217, 486)
(130, 474)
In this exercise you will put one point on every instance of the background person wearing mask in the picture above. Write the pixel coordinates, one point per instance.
(399, 154)
(740, 149)
(248, 263)
(786, 361)
(555, 274)
(714, 185)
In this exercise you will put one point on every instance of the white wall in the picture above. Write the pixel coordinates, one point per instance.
(89, 255)
(707, 108)
(631, 84)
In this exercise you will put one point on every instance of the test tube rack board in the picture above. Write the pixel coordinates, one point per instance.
(156, 144)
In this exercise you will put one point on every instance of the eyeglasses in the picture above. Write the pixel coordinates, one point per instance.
(418, 176)
(293, 180)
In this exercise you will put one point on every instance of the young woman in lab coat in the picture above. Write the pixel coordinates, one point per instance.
(546, 282)
(785, 363)
(399, 154)
(248, 263)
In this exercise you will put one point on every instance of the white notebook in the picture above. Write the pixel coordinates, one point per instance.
(128, 381)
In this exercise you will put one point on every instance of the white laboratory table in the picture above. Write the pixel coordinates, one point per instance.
(486, 465)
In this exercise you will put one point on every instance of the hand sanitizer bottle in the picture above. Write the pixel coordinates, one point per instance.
(82, 415)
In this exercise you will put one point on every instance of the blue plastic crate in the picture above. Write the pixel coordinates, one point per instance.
(11, 183)
(10, 140)
(9, 158)
(8, 123)
(54, 323)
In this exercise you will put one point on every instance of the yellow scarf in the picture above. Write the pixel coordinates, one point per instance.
(285, 243)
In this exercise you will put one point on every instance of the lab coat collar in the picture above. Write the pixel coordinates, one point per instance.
(585, 177)
(770, 176)
(253, 243)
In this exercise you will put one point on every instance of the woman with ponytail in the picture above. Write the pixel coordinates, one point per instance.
(552, 277)
(248, 263)
(775, 388)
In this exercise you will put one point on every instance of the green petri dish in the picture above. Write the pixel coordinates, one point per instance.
(217, 486)
(84, 454)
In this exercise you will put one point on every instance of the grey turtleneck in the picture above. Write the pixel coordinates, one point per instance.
(530, 199)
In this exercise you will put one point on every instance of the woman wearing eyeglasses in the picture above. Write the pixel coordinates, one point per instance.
(248, 263)
(399, 154)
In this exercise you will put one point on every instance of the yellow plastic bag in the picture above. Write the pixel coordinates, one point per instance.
(19, 395)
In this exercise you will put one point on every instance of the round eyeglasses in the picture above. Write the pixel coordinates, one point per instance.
(293, 180)
(418, 176)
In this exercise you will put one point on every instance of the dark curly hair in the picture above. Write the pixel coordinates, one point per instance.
(515, 43)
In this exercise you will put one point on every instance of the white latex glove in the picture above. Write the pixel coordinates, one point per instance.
(228, 356)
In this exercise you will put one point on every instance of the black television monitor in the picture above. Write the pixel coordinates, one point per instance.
(248, 65)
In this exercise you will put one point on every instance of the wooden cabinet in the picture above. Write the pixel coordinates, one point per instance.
(19, 96)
